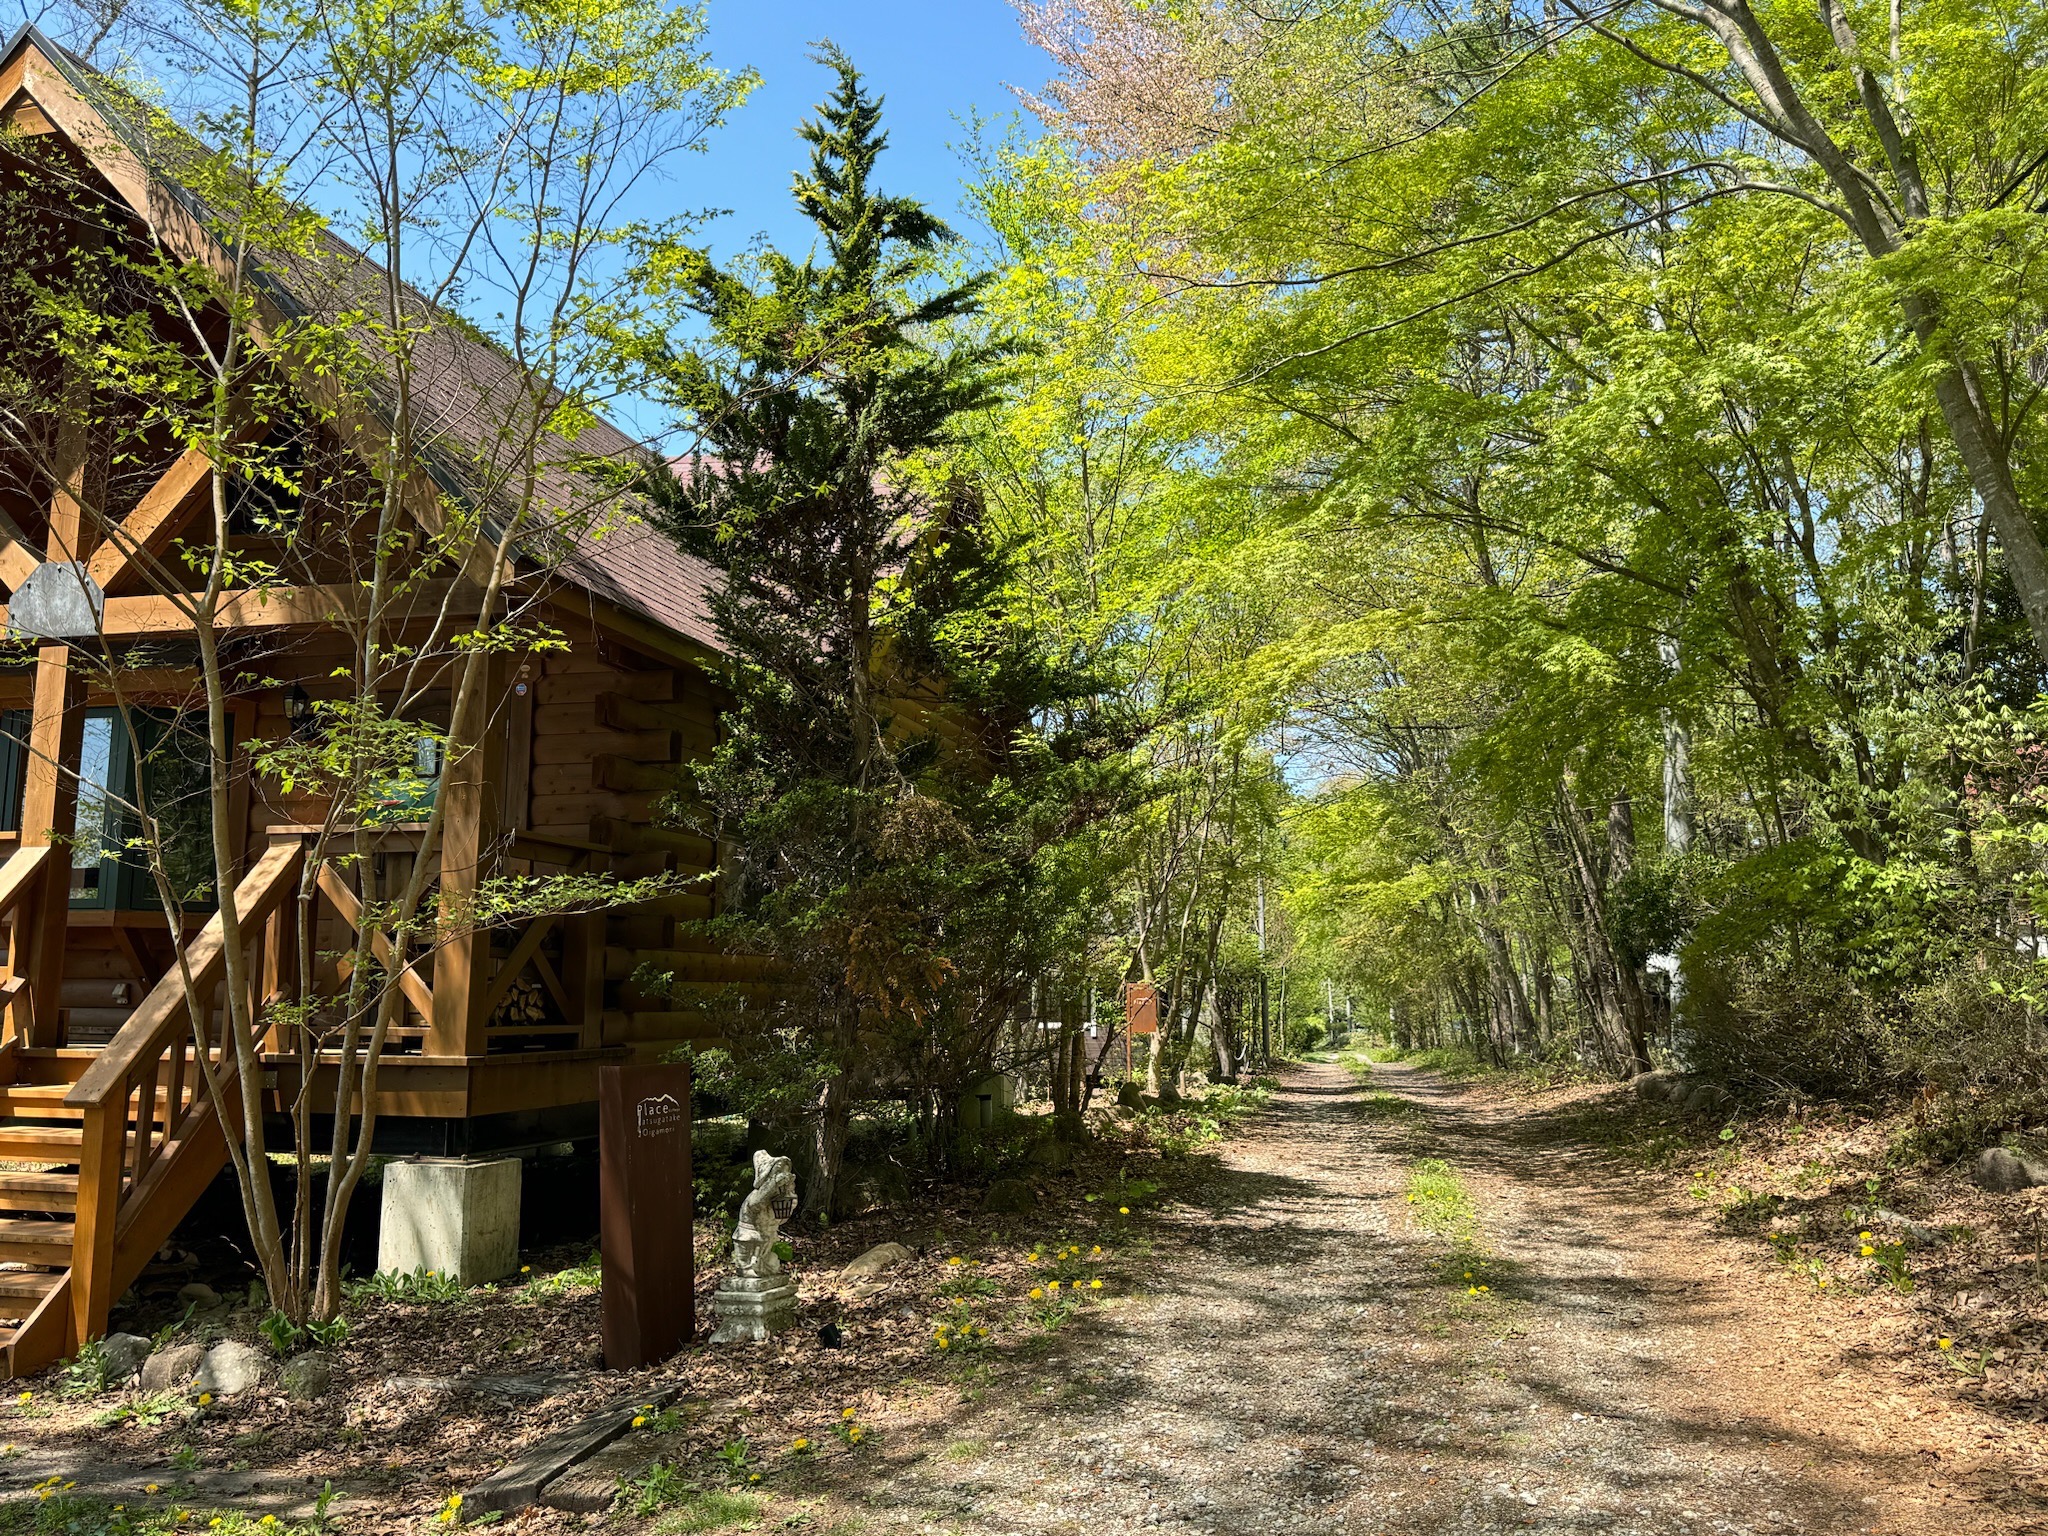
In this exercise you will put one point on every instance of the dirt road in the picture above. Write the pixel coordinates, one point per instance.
(1305, 1357)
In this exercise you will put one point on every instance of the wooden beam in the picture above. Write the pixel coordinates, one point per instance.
(351, 911)
(165, 508)
(17, 563)
(130, 618)
(470, 787)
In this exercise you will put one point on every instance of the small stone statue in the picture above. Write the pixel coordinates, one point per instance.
(760, 1224)
(757, 1299)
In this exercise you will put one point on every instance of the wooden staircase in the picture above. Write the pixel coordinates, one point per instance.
(106, 1149)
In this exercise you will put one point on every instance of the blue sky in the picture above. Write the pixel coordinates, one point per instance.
(935, 62)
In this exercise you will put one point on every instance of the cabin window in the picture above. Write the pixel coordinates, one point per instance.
(169, 761)
(14, 724)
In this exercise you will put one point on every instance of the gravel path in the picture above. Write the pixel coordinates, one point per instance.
(1304, 1358)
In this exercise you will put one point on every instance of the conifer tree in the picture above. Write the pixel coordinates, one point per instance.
(879, 782)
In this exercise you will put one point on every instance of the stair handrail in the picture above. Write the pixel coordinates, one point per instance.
(161, 1014)
(128, 1065)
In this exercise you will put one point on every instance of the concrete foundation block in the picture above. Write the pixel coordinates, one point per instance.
(451, 1216)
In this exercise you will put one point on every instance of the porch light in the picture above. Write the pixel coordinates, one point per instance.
(298, 712)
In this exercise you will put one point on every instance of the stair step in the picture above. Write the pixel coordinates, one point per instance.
(35, 1242)
(27, 1284)
(40, 1143)
(37, 1192)
(45, 1101)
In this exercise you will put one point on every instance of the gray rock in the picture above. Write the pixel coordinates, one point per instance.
(1010, 1197)
(878, 1258)
(124, 1354)
(1653, 1085)
(171, 1367)
(231, 1368)
(198, 1294)
(2002, 1170)
(308, 1377)
(1708, 1099)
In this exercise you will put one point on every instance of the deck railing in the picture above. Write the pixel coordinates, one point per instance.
(147, 1121)
(21, 882)
(150, 1139)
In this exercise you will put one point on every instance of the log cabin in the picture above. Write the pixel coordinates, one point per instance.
(107, 1136)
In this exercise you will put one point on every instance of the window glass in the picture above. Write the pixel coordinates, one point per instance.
(178, 791)
(97, 841)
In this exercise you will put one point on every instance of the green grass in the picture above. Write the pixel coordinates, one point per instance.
(421, 1285)
(587, 1276)
(1441, 1202)
(708, 1510)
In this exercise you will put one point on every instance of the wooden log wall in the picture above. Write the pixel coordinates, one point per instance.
(611, 731)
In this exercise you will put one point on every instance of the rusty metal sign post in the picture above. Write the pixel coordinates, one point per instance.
(1141, 1016)
(644, 1210)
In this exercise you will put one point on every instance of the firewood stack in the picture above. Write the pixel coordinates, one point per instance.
(525, 1002)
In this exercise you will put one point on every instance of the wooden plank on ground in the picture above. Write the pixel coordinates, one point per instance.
(592, 1486)
(517, 1484)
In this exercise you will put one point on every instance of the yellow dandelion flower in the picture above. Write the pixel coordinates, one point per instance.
(1944, 1343)
(846, 1413)
(753, 1477)
(956, 1259)
(152, 1488)
(1054, 1287)
(526, 1269)
(1095, 1251)
(945, 1343)
(1123, 1210)
(26, 1397)
(639, 1419)
(1037, 1294)
(1868, 1251)
(205, 1399)
(853, 1435)
(1863, 1237)
(800, 1443)
(1094, 1285)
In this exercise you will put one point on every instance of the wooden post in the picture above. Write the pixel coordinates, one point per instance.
(49, 816)
(648, 1306)
(472, 785)
(49, 813)
(99, 1205)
